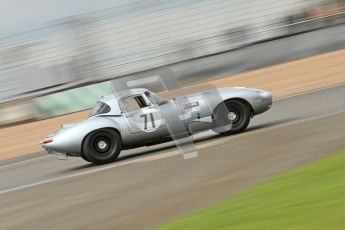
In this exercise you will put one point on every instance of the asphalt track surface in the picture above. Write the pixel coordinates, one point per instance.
(150, 186)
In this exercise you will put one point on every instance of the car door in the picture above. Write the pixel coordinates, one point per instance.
(143, 117)
(195, 108)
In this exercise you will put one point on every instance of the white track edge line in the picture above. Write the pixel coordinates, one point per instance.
(310, 91)
(22, 161)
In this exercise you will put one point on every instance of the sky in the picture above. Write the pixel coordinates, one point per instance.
(18, 16)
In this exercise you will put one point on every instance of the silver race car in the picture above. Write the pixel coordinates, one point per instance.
(138, 117)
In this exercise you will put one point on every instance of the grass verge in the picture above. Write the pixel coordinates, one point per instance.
(310, 197)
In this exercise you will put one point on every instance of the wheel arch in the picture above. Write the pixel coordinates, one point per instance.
(244, 101)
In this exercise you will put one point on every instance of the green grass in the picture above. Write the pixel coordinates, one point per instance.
(311, 197)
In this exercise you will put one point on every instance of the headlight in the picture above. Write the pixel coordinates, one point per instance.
(265, 94)
(240, 88)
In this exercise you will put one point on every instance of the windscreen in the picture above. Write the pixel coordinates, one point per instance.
(154, 98)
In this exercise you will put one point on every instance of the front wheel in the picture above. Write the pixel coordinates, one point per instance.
(102, 146)
(232, 112)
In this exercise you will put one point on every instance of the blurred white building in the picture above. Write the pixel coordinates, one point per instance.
(131, 38)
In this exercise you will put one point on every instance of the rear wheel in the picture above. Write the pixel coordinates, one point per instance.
(102, 146)
(233, 111)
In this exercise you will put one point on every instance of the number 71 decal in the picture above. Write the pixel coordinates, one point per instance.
(145, 120)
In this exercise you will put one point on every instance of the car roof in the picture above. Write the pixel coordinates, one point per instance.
(130, 92)
(124, 93)
(112, 99)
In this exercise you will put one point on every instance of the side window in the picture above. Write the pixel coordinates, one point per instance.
(133, 103)
(100, 108)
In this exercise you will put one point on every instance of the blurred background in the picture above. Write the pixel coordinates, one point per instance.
(63, 62)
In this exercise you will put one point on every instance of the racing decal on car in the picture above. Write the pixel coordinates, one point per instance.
(148, 121)
(191, 105)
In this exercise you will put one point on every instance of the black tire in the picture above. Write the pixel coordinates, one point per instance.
(239, 123)
(84, 158)
(102, 146)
